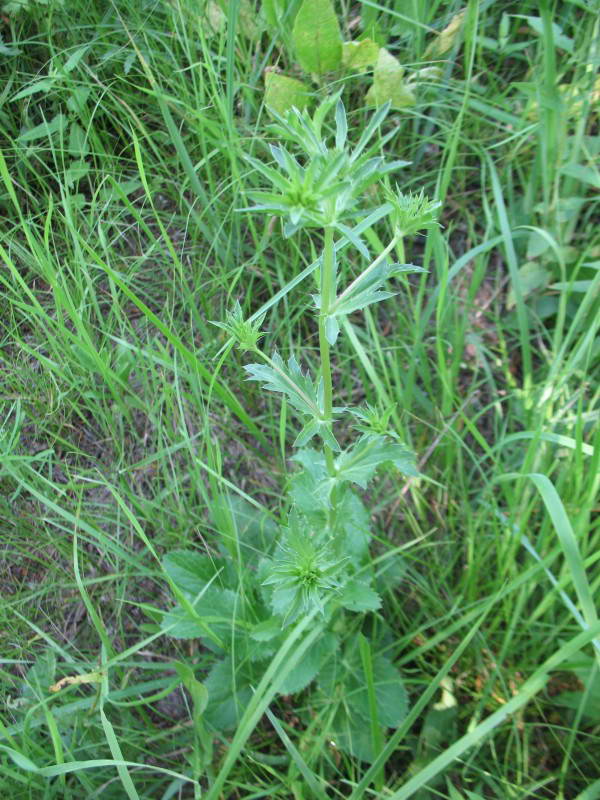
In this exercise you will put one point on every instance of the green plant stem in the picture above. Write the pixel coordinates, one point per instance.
(327, 293)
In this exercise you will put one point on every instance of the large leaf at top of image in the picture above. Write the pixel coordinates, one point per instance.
(317, 38)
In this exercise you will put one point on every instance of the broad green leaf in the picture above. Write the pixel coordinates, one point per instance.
(350, 734)
(589, 175)
(390, 572)
(332, 329)
(353, 523)
(588, 676)
(388, 86)
(266, 630)
(392, 700)
(367, 288)
(189, 570)
(344, 677)
(256, 531)
(308, 668)
(358, 596)
(216, 607)
(283, 93)
(310, 489)
(77, 170)
(20, 760)
(559, 38)
(356, 56)
(358, 463)
(78, 144)
(278, 13)
(316, 36)
(229, 693)
(44, 85)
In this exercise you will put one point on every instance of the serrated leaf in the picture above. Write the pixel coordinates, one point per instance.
(309, 667)
(351, 735)
(45, 130)
(310, 489)
(189, 570)
(391, 572)
(358, 463)
(388, 85)
(392, 700)
(359, 55)
(316, 427)
(353, 523)
(229, 693)
(367, 288)
(217, 607)
(358, 596)
(266, 630)
(283, 93)
(289, 380)
(316, 37)
(350, 729)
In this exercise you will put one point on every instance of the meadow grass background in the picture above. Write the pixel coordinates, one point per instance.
(123, 130)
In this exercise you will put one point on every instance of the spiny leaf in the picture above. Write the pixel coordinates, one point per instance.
(298, 388)
(367, 288)
(317, 38)
(358, 463)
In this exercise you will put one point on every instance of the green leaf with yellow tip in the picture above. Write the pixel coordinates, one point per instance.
(388, 84)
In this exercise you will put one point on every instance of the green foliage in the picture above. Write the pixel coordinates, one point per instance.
(388, 84)
(318, 562)
(283, 93)
(316, 36)
(128, 433)
(317, 44)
